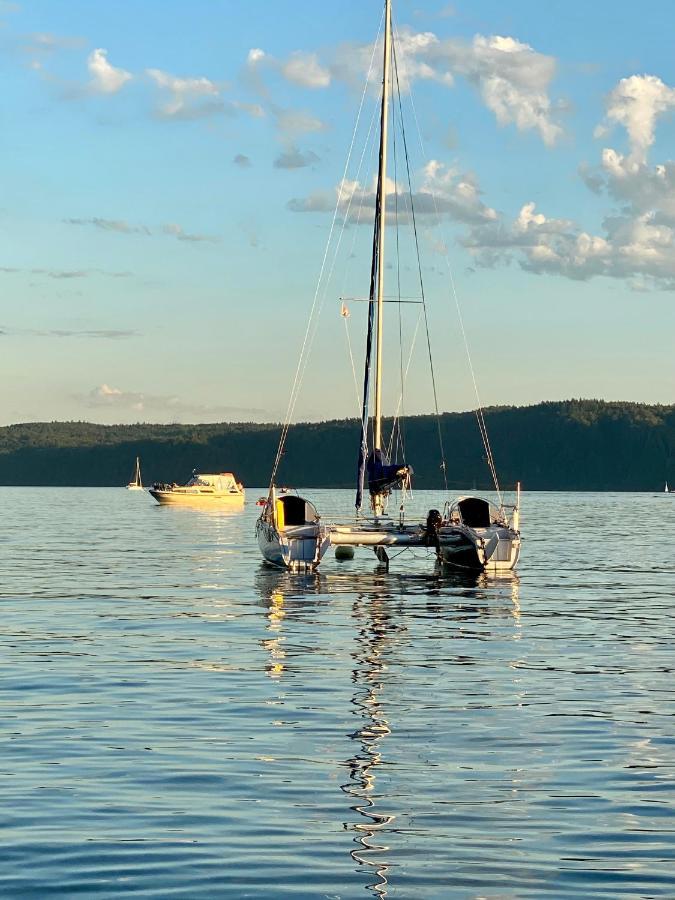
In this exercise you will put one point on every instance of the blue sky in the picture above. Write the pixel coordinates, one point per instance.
(170, 172)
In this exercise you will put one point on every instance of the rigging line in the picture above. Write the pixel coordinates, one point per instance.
(329, 278)
(294, 389)
(410, 356)
(363, 193)
(351, 357)
(419, 268)
(479, 412)
(401, 442)
(397, 437)
(413, 342)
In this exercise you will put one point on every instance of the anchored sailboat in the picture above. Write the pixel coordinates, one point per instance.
(469, 533)
(136, 484)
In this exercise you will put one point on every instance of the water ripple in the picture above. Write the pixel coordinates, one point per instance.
(177, 720)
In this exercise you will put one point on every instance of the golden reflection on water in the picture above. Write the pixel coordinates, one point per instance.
(274, 645)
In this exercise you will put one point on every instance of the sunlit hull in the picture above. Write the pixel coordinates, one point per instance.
(203, 500)
(298, 548)
(494, 548)
(134, 487)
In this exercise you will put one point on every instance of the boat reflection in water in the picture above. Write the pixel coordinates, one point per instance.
(383, 609)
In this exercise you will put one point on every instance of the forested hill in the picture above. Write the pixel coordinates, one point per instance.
(571, 445)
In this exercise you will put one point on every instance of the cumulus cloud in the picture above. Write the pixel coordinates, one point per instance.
(305, 70)
(105, 78)
(636, 241)
(444, 193)
(196, 98)
(630, 247)
(636, 103)
(292, 158)
(512, 78)
(186, 98)
(302, 68)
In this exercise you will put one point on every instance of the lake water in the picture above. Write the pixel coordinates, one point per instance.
(178, 721)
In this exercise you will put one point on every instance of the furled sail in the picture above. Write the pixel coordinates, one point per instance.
(383, 475)
(363, 444)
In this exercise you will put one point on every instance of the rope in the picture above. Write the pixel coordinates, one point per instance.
(419, 269)
(482, 427)
(351, 357)
(302, 362)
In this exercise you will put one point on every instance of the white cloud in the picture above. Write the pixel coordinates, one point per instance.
(196, 98)
(305, 70)
(186, 97)
(255, 55)
(105, 78)
(157, 406)
(635, 243)
(636, 103)
(512, 78)
(631, 247)
(444, 193)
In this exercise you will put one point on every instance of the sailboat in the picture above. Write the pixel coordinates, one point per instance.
(469, 533)
(136, 484)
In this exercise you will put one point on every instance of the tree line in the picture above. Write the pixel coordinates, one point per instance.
(568, 445)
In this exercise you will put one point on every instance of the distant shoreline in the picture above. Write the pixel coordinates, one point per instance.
(575, 445)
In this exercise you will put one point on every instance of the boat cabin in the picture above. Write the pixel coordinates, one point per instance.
(224, 482)
(474, 512)
(291, 510)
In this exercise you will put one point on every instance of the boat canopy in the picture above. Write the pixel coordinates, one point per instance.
(224, 481)
(382, 474)
(476, 512)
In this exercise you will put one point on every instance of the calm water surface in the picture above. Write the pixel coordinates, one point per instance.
(178, 721)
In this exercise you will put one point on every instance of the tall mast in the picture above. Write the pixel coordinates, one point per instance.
(382, 203)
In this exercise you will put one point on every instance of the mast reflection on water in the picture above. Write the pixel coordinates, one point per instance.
(380, 614)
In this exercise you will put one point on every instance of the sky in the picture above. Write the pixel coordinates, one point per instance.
(184, 182)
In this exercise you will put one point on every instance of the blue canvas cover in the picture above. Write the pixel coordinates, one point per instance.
(382, 474)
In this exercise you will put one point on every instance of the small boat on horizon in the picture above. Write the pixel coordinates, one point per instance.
(136, 484)
(213, 491)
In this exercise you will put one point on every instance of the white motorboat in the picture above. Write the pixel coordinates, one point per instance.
(205, 491)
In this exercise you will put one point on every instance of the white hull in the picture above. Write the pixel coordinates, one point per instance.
(494, 548)
(134, 487)
(178, 497)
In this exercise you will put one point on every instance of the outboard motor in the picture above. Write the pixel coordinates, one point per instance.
(434, 522)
